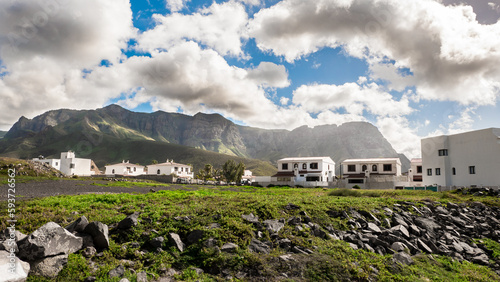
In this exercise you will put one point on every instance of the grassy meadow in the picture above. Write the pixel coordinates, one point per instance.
(332, 260)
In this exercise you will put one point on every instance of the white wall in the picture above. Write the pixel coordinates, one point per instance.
(167, 169)
(124, 169)
(480, 149)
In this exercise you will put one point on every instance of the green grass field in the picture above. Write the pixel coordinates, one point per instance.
(333, 260)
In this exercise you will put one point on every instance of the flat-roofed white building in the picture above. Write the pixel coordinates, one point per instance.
(124, 168)
(465, 159)
(415, 172)
(70, 165)
(305, 171)
(169, 167)
(373, 173)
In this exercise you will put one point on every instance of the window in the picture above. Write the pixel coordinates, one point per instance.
(374, 167)
(284, 167)
(182, 169)
(438, 171)
(295, 166)
(419, 169)
(351, 168)
(187, 169)
(443, 152)
(472, 170)
(363, 168)
(429, 171)
(135, 169)
(92, 167)
(313, 166)
(71, 165)
(312, 178)
(454, 171)
(158, 172)
(283, 178)
(57, 163)
(113, 171)
(304, 166)
(176, 168)
(357, 181)
(388, 167)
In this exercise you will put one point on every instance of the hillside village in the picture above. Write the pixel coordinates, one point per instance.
(448, 161)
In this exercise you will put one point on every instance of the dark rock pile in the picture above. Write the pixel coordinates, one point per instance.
(480, 191)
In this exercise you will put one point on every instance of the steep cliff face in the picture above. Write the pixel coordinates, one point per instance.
(206, 131)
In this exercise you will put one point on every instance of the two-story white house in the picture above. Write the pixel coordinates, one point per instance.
(305, 171)
(415, 173)
(70, 165)
(170, 167)
(373, 173)
(465, 159)
(124, 168)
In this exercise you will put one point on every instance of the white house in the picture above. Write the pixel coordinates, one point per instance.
(465, 159)
(305, 171)
(169, 167)
(415, 172)
(373, 173)
(124, 168)
(69, 164)
(247, 176)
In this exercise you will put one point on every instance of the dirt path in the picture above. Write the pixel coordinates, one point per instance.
(47, 188)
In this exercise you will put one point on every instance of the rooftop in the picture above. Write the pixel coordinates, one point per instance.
(372, 160)
(298, 159)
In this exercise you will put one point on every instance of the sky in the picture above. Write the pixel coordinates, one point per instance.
(413, 68)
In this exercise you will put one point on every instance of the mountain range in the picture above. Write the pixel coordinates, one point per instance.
(112, 133)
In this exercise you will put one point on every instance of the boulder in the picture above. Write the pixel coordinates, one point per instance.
(119, 271)
(372, 227)
(195, 236)
(401, 230)
(78, 225)
(257, 246)
(481, 259)
(48, 240)
(399, 247)
(250, 218)
(273, 226)
(49, 267)
(142, 276)
(157, 242)
(402, 258)
(99, 233)
(229, 248)
(129, 221)
(89, 252)
(285, 244)
(426, 223)
(21, 268)
(175, 240)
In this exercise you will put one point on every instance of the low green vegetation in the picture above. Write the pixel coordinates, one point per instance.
(332, 260)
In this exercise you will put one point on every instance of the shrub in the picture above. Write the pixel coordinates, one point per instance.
(356, 187)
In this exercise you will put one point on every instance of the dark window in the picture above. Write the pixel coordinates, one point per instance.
(113, 171)
(443, 152)
(359, 181)
(472, 170)
(419, 169)
(304, 166)
(158, 172)
(312, 178)
(284, 166)
(71, 165)
(438, 171)
(295, 165)
(187, 169)
(57, 163)
(313, 166)
(92, 167)
(429, 171)
(454, 171)
(351, 168)
(388, 167)
(283, 179)
(374, 167)
(363, 168)
(135, 169)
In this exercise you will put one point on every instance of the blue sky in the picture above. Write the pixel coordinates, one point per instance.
(414, 69)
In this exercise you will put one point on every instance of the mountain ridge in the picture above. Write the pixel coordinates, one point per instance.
(210, 132)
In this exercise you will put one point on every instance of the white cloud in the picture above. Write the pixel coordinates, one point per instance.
(284, 101)
(452, 56)
(45, 45)
(269, 75)
(220, 26)
(400, 133)
(353, 98)
(176, 5)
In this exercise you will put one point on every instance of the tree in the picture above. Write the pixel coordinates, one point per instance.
(233, 172)
(154, 161)
(206, 173)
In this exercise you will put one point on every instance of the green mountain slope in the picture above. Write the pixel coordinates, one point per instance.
(2, 133)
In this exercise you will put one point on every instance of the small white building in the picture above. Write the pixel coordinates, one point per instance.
(373, 173)
(70, 165)
(465, 159)
(305, 171)
(415, 172)
(124, 168)
(169, 167)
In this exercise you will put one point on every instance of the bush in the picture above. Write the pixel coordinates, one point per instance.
(356, 187)
(344, 193)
